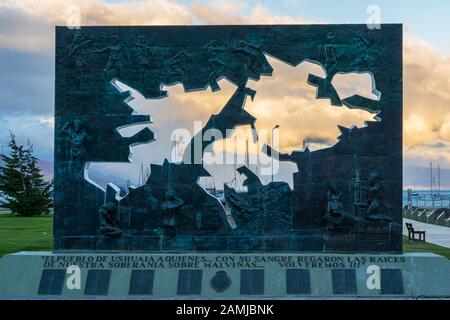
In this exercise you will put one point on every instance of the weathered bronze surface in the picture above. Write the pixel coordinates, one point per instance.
(345, 198)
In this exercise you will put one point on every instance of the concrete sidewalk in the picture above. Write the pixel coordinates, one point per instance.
(434, 234)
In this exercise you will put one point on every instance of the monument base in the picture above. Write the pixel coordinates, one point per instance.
(46, 275)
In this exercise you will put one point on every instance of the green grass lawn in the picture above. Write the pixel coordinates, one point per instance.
(35, 234)
(25, 233)
(409, 246)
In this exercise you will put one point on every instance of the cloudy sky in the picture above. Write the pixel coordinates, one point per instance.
(27, 66)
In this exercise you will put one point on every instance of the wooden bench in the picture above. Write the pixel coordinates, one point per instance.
(412, 233)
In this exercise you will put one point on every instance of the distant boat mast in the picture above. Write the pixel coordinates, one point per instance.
(431, 183)
(439, 180)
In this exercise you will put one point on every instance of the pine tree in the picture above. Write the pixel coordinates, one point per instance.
(22, 184)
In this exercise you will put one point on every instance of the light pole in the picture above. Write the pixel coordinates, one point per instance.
(271, 155)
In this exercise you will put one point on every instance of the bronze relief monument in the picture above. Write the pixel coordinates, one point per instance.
(338, 202)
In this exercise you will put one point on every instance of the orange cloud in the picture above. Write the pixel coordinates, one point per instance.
(288, 100)
(233, 12)
(29, 25)
(426, 100)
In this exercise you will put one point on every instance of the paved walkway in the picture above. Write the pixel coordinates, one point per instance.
(434, 234)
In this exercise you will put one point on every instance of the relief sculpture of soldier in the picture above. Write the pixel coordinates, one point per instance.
(371, 209)
(79, 50)
(365, 54)
(252, 52)
(375, 210)
(176, 65)
(109, 225)
(170, 207)
(216, 59)
(144, 50)
(335, 216)
(76, 137)
(335, 207)
(117, 53)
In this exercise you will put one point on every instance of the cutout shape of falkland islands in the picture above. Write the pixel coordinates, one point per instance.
(340, 222)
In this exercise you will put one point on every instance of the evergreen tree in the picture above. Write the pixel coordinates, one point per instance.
(22, 184)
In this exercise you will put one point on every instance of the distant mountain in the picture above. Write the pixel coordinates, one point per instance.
(99, 178)
(102, 179)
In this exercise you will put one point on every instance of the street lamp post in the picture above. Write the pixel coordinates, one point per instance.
(271, 155)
